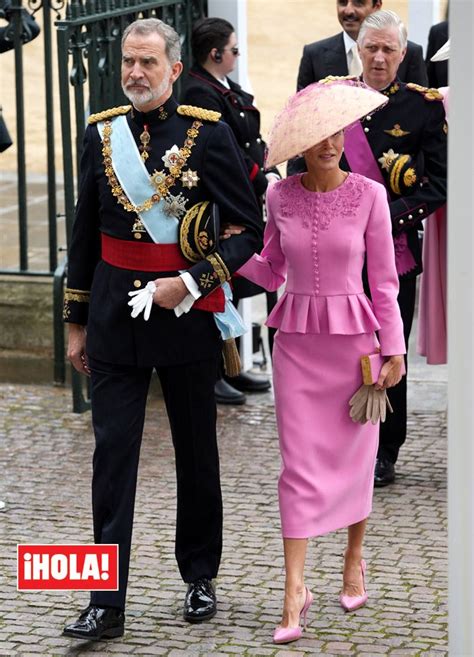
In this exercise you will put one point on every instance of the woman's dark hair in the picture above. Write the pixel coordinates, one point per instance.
(209, 33)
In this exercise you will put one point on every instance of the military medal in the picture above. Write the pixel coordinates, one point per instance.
(387, 159)
(175, 205)
(189, 178)
(174, 158)
(145, 140)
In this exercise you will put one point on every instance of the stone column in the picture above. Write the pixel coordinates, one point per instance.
(461, 331)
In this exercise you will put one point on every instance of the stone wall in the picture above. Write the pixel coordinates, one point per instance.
(26, 329)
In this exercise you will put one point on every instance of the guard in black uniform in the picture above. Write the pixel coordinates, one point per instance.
(185, 159)
(215, 52)
(406, 142)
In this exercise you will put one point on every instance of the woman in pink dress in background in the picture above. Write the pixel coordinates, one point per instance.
(321, 226)
(433, 310)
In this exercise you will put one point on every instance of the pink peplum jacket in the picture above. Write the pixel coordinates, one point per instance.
(318, 242)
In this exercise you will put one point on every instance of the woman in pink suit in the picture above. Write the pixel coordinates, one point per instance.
(321, 226)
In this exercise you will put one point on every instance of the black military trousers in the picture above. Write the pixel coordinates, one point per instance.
(393, 431)
(118, 397)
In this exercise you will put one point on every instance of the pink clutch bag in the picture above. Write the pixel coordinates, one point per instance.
(371, 364)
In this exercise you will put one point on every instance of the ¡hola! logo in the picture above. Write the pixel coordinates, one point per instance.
(67, 567)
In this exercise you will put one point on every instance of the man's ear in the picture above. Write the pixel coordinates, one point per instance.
(176, 70)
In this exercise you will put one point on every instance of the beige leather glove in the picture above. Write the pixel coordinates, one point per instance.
(369, 404)
(358, 404)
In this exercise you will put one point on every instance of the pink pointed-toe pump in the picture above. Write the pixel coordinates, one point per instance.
(288, 634)
(353, 602)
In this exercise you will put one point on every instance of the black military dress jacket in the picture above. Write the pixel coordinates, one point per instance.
(412, 123)
(97, 292)
(238, 111)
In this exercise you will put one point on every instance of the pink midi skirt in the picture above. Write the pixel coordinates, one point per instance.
(327, 472)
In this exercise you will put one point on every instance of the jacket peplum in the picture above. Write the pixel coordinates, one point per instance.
(97, 292)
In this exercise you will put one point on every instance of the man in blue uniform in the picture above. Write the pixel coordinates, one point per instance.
(149, 171)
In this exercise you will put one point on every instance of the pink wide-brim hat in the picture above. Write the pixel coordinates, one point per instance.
(317, 112)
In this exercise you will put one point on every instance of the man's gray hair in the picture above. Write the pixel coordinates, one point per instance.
(155, 26)
(382, 20)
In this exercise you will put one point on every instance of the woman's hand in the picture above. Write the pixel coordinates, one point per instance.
(227, 230)
(391, 373)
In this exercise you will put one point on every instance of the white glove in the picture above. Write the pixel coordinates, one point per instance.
(143, 300)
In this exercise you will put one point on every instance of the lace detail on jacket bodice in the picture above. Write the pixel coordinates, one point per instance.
(317, 209)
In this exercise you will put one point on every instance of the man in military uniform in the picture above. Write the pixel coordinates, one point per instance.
(403, 146)
(148, 171)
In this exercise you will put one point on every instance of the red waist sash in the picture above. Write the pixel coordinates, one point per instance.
(146, 256)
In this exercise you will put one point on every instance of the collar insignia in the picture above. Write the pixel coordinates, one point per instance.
(392, 89)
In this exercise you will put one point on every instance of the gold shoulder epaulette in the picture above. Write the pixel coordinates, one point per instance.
(334, 78)
(108, 114)
(428, 93)
(199, 113)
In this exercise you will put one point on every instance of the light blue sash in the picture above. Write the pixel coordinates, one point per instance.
(135, 182)
(229, 323)
(162, 228)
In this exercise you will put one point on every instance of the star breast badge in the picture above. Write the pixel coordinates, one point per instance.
(387, 159)
(173, 157)
(175, 205)
(189, 178)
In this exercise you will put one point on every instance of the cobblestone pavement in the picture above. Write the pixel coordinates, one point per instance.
(45, 464)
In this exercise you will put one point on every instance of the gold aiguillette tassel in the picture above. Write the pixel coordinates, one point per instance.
(232, 364)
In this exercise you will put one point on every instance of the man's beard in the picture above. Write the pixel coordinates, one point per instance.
(147, 95)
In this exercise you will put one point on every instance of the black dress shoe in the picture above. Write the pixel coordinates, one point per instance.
(226, 394)
(384, 473)
(97, 623)
(200, 602)
(249, 382)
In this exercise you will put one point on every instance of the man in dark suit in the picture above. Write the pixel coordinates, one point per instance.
(337, 55)
(437, 71)
(148, 171)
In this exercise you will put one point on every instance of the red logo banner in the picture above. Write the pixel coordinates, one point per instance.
(67, 567)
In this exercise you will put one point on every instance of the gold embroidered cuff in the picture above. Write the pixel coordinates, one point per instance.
(219, 267)
(70, 294)
(80, 296)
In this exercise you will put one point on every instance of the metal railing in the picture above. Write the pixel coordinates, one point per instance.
(14, 34)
